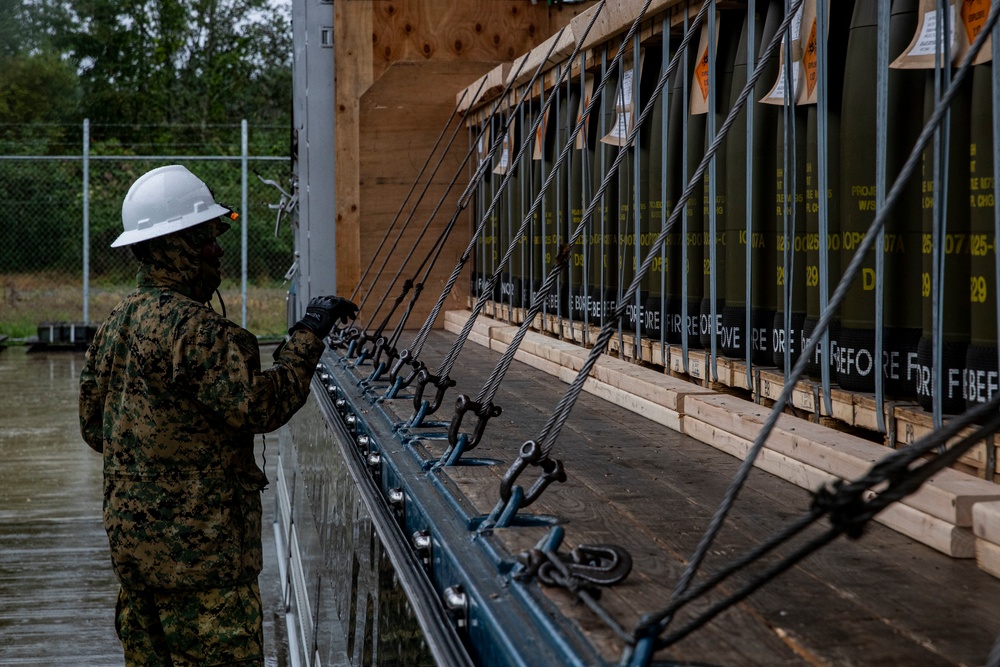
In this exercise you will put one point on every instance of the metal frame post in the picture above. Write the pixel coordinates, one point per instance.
(86, 219)
(244, 153)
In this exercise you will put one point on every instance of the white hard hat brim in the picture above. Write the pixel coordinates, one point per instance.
(170, 226)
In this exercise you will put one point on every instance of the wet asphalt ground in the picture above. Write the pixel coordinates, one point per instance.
(57, 589)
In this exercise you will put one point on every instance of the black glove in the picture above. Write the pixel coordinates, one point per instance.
(323, 311)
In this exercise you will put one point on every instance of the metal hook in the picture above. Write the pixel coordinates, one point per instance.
(600, 564)
(531, 454)
(483, 411)
(442, 384)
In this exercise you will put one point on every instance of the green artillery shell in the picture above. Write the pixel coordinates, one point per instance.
(955, 242)
(730, 26)
(981, 381)
(856, 362)
(760, 237)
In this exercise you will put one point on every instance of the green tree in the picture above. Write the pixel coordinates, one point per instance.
(172, 63)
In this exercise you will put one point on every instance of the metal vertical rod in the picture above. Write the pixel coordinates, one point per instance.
(751, 66)
(636, 195)
(787, 163)
(823, 149)
(86, 219)
(686, 95)
(525, 182)
(942, 140)
(508, 198)
(665, 138)
(475, 210)
(569, 205)
(616, 215)
(881, 141)
(996, 168)
(602, 206)
(244, 152)
(560, 205)
(713, 73)
(586, 171)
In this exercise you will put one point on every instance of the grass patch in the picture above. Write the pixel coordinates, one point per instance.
(29, 299)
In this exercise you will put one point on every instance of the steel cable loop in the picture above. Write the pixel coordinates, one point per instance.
(538, 300)
(553, 426)
(409, 218)
(846, 497)
(449, 361)
(836, 299)
(424, 331)
(414, 186)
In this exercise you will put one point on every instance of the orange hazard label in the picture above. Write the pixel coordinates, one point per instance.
(974, 16)
(701, 74)
(809, 61)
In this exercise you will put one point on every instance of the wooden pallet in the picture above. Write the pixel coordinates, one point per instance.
(903, 421)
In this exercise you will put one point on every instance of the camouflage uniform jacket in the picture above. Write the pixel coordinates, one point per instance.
(172, 393)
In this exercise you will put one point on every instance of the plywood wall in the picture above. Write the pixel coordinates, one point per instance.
(399, 65)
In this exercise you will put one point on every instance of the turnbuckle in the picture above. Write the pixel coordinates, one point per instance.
(483, 411)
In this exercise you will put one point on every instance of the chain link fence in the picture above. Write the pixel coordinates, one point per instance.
(63, 210)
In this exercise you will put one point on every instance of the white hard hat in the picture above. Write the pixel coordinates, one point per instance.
(164, 201)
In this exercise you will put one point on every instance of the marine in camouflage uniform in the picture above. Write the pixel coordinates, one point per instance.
(172, 394)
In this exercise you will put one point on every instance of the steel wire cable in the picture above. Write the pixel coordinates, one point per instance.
(449, 360)
(406, 223)
(424, 331)
(414, 187)
(433, 257)
(464, 197)
(538, 300)
(835, 300)
(855, 513)
(435, 249)
(565, 404)
(850, 512)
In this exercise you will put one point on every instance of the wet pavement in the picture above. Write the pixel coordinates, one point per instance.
(57, 589)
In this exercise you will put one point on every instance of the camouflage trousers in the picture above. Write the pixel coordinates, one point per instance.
(221, 626)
